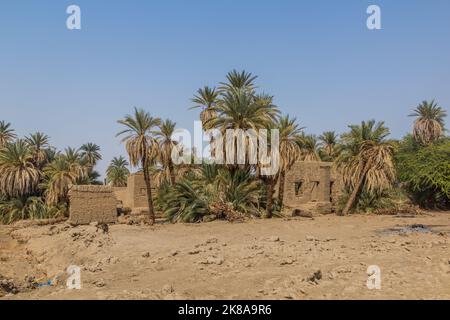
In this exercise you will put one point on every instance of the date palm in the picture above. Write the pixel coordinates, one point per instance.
(242, 110)
(309, 146)
(165, 147)
(329, 143)
(239, 81)
(6, 133)
(38, 143)
(206, 98)
(78, 164)
(366, 160)
(18, 173)
(117, 172)
(90, 152)
(60, 174)
(290, 151)
(429, 125)
(140, 146)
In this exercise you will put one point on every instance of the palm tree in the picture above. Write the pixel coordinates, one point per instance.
(77, 163)
(60, 174)
(239, 81)
(90, 152)
(239, 107)
(38, 143)
(117, 172)
(329, 143)
(166, 145)
(18, 173)
(206, 98)
(309, 146)
(140, 145)
(241, 110)
(6, 133)
(289, 149)
(429, 125)
(366, 160)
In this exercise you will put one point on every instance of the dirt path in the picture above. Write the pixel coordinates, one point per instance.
(255, 260)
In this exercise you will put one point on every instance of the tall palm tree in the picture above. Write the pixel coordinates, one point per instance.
(6, 133)
(140, 145)
(242, 110)
(239, 107)
(206, 98)
(91, 153)
(239, 81)
(78, 164)
(38, 143)
(18, 173)
(269, 180)
(429, 125)
(289, 149)
(366, 160)
(329, 143)
(117, 172)
(166, 145)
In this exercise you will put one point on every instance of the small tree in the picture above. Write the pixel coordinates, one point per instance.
(425, 172)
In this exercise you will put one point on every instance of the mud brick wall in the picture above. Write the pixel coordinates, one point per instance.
(121, 194)
(308, 182)
(338, 186)
(92, 204)
(137, 191)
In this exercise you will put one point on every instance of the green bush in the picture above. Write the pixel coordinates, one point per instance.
(27, 208)
(214, 190)
(370, 202)
(424, 171)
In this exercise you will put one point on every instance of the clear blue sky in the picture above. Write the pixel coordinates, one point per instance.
(316, 57)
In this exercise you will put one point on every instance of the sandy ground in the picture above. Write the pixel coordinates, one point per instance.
(261, 259)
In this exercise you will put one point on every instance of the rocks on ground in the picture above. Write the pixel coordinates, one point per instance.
(8, 286)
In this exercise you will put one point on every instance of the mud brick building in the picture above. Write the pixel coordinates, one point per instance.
(134, 195)
(311, 187)
(92, 204)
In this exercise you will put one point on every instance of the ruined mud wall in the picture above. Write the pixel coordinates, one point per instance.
(137, 191)
(92, 204)
(338, 186)
(121, 194)
(308, 182)
(308, 188)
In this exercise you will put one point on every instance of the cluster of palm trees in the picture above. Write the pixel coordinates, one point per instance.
(35, 178)
(364, 155)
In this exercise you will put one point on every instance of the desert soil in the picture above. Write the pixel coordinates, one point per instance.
(260, 259)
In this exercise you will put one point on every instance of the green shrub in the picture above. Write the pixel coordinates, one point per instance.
(369, 202)
(424, 172)
(214, 190)
(27, 208)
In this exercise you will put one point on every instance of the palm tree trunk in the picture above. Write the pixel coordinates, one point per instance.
(171, 172)
(270, 191)
(281, 187)
(355, 192)
(149, 190)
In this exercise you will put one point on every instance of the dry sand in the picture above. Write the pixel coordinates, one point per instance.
(261, 259)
